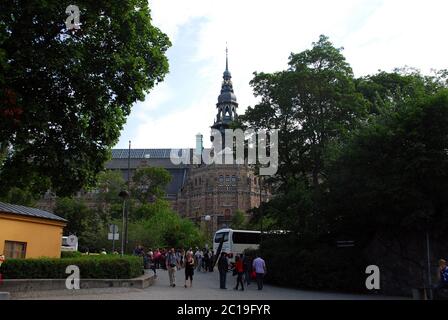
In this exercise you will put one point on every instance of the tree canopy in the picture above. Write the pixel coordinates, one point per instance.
(312, 103)
(65, 94)
(353, 151)
(149, 183)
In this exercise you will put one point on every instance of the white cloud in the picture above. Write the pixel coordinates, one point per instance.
(176, 130)
(376, 34)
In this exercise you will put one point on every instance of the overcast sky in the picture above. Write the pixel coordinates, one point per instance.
(376, 35)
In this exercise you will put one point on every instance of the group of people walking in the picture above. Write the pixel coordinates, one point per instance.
(202, 260)
(174, 260)
(244, 266)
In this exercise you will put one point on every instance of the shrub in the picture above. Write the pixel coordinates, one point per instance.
(320, 267)
(70, 254)
(91, 267)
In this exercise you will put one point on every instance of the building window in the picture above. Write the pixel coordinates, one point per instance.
(233, 179)
(221, 179)
(227, 179)
(15, 250)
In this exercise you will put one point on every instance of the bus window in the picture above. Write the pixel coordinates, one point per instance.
(219, 236)
(246, 237)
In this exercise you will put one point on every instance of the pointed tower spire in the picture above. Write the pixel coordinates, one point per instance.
(227, 75)
(227, 58)
(227, 103)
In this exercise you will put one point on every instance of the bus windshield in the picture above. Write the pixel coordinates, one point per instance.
(219, 236)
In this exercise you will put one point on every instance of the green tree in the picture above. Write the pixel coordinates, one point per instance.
(165, 229)
(395, 169)
(65, 95)
(109, 185)
(238, 220)
(76, 212)
(20, 197)
(149, 183)
(390, 90)
(143, 211)
(314, 104)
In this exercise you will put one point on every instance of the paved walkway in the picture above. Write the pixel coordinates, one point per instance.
(205, 287)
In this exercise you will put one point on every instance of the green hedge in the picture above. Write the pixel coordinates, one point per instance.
(71, 254)
(91, 267)
(316, 267)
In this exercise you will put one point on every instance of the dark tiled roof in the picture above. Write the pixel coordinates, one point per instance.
(151, 157)
(141, 153)
(178, 177)
(27, 211)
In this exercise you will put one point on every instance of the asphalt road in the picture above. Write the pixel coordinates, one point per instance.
(205, 287)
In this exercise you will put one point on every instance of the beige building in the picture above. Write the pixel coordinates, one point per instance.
(29, 232)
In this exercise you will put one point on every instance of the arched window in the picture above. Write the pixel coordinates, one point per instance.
(227, 112)
(221, 179)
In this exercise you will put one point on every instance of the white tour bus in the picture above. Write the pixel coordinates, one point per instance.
(236, 241)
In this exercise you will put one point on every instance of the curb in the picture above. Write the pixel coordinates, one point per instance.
(27, 285)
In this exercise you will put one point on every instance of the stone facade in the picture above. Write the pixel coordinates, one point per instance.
(219, 191)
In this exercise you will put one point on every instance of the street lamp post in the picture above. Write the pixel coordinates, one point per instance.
(207, 219)
(129, 188)
(124, 195)
(261, 211)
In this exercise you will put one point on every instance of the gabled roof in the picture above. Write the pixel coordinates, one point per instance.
(27, 211)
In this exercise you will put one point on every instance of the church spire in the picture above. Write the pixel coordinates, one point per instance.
(227, 75)
(227, 58)
(227, 103)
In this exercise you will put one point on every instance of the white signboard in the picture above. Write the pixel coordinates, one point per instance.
(72, 240)
(113, 236)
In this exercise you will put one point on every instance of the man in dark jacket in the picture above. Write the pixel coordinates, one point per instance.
(223, 267)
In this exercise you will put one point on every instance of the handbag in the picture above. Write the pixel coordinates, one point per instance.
(253, 275)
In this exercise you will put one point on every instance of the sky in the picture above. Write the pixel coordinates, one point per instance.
(260, 35)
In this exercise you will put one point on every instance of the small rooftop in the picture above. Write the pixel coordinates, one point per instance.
(27, 211)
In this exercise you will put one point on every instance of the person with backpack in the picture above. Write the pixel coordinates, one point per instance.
(171, 263)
